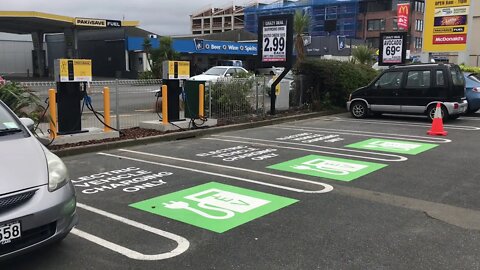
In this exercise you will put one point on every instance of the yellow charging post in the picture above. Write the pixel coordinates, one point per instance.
(106, 109)
(201, 100)
(52, 103)
(165, 104)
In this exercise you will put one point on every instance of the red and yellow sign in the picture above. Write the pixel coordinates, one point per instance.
(446, 25)
(403, 15)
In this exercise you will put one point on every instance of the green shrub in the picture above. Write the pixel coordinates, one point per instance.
(22, 101)
(330, 81)
(470, 69)
(231, 96)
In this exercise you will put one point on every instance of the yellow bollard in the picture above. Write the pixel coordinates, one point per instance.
(165, 104)
(52, 103)
(106, 109)
(201, 100)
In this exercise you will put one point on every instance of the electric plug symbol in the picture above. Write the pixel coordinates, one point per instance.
(184, 205)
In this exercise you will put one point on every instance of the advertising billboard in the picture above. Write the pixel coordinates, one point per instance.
(403, 15)
(446, 25)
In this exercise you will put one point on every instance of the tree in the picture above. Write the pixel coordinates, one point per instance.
(362, 54)
(163, 53)
(147, 47)
(301, 22)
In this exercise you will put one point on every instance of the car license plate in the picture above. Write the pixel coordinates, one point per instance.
(10, 231)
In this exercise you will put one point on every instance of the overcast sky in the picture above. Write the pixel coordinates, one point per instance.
(164, 17)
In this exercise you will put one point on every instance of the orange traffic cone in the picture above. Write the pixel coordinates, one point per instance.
(437, 124)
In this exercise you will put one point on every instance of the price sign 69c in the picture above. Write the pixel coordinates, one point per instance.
(392, 49)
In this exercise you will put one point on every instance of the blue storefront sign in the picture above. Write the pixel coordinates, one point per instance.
(214, 47)
(136, 43)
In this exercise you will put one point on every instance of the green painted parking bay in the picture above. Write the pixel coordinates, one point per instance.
(329, 167)
(214, 206)
(393, 146)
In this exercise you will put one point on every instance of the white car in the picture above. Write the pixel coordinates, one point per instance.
(218, 72)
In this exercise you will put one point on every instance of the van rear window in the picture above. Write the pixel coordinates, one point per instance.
(457, 76)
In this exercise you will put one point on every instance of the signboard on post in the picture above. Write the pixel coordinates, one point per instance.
(275, 47)
(276, 41)
(446, 25)
(403, 15)
(393, 48)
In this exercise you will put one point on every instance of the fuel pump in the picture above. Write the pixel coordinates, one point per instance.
(71, 76)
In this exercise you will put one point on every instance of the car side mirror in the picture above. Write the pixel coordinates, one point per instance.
(28, 123)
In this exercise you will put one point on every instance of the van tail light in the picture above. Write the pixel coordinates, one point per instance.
(455, 106)
(476, 89)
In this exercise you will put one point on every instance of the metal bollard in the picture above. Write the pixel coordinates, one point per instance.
(201, 100)
(52, 103)
(106, 109)
(164, 104)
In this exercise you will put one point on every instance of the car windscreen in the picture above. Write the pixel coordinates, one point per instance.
(216, 71)
(474, 77)
(7, 122)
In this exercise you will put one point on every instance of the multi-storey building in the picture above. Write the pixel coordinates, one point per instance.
(376, 16)
(215, 20)
(361, 19)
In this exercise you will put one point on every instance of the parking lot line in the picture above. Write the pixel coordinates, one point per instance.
(393, 123)
(326, 187)
(366, 134)
(248, 141)
(183, 244)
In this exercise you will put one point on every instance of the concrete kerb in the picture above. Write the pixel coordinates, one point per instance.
(184, 135)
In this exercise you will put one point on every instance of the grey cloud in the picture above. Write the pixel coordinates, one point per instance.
(164, 17)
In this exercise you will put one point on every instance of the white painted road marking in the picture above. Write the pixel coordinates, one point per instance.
(183, 244)
(393, 123)
(248, 141)
(365, 134)
(326, 187)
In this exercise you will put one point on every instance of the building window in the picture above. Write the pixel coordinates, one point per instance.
(419, 25)
(330, 13)
(376, 25)
(395, 24)
(418, 43)
(420, 6)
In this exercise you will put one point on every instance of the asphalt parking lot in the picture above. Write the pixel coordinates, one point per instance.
(327, 193)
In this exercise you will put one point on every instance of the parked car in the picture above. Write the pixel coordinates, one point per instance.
(37, 199)
(472, 91)
(412, 89)
(215, 73)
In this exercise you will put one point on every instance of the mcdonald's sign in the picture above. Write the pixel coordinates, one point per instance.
(403, 15)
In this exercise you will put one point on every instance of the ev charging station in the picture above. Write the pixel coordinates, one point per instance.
(175, 75)
(71, 76)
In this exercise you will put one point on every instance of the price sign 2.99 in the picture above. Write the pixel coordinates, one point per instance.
(392, 48)
(274, 40)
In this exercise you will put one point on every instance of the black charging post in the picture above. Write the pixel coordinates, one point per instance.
(71, 76)
(174, 74)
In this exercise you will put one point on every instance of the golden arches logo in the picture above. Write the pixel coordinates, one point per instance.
(404, 9)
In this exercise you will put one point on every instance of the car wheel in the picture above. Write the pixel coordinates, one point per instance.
(471, 111)
(359, 109)
(431, 112)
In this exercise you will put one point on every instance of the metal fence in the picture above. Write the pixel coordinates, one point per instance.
(134, 101)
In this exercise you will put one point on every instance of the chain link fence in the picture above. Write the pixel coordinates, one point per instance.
(134, 101)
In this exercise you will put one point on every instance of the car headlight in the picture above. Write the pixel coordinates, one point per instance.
(57, 172)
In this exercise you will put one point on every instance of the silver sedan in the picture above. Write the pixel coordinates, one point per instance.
(37, 199)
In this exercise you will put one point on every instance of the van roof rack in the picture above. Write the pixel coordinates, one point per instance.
(417, 64)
